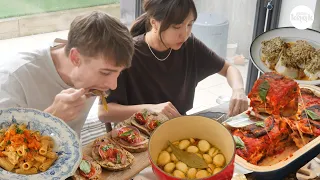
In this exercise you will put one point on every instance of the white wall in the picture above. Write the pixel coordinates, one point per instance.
(127, 11)
(240, 14)
(288, 5)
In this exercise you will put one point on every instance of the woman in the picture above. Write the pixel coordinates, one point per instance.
(167, 65)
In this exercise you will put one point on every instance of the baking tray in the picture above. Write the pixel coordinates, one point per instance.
(287, 165)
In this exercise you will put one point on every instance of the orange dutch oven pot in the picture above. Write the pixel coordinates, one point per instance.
(186, 127)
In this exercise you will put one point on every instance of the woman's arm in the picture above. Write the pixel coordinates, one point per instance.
(239, 100)
(117, 112)
(208, 63)
(233, 76)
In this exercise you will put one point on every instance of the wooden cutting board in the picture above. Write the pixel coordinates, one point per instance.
(141, 161)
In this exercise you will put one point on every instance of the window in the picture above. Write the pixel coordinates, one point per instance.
(31, 17)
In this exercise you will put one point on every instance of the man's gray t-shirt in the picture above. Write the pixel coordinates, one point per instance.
(29, 79)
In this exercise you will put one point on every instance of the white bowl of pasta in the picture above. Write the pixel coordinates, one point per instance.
(36, 145)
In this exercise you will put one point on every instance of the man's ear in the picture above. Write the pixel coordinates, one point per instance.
(74, 57)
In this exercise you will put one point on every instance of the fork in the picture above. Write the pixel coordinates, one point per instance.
(102, 95)
(97, 93)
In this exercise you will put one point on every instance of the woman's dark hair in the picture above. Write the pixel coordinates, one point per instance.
(167, 12)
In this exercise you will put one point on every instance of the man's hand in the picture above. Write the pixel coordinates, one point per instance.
(68, 104)
(166, 108)
(238, 102)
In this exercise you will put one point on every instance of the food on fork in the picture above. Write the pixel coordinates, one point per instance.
(102, 96)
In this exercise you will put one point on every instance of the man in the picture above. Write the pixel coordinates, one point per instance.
(57, 79)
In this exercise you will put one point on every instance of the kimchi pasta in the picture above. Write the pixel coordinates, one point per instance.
(25, 151)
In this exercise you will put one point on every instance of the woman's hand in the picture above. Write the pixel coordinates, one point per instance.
(238, 102)
(167, 109)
